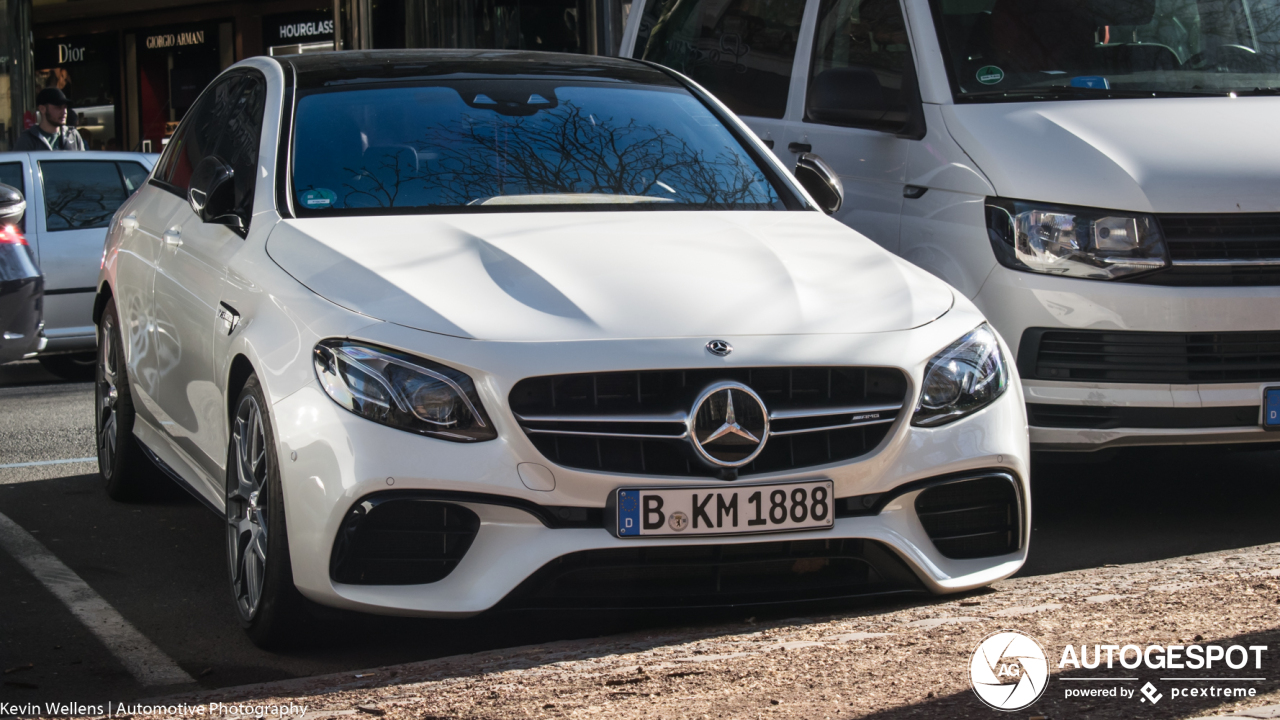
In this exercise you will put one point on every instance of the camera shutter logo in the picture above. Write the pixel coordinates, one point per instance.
(1008, 671)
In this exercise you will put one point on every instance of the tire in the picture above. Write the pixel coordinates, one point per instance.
(270, 608)
(126, 472)
(75, 367)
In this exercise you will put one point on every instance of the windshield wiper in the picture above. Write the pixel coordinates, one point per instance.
(1060, 92)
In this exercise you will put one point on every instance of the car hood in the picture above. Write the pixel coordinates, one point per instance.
(1151, 155)
(593, 275)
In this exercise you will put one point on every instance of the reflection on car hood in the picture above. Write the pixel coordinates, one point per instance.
(1213, 154)
(584, 276)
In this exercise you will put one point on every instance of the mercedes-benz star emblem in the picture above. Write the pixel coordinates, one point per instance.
(719, 348)
(729, 424)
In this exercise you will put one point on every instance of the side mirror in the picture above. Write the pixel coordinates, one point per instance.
(821, 181)
(12, 206)
(212, 193)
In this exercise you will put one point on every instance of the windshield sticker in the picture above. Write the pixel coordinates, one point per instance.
(990, 75)
(318, 198)
(1093, 82)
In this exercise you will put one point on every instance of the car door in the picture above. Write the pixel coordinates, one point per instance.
(860, 109)
(78, 196)
(742, 51)
(226, 123)
(142, 238)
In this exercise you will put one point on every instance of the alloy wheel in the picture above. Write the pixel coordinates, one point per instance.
(247, 502)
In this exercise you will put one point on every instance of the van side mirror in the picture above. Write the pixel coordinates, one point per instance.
(821, 181)
(212, 193)
(12, 206)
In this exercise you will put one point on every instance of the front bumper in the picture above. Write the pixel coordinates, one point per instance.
(341, 458)
(1015, 301)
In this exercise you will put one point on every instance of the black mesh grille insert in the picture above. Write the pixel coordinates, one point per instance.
(708, 575)
(1149, 357)
(972, 518)
(671, 393)
(394, 539)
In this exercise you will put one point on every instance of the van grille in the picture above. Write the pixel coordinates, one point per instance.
(1220, 250)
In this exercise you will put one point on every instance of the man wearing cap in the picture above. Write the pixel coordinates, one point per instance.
(51, 133)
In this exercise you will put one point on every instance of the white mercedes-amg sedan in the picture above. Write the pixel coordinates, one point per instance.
(439, 332)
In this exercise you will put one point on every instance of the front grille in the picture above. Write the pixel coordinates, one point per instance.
(1149, 357)
(1244, 236)
(1109, 417)
(635, 422)
(972, 518)
(1220, 250)
(397, 539)
(712, 575)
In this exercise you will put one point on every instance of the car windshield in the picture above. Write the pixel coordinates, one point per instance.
(1077, 49)
(537, 143)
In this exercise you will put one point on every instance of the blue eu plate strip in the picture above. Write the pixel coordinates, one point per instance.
(1271, 409)
(628, 512)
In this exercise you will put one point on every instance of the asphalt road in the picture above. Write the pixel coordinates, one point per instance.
(160, 564)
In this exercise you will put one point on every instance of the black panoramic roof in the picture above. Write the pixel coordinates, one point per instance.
(354, 67)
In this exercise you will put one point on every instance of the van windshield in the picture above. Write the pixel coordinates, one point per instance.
(518, 144)
(1017, 50)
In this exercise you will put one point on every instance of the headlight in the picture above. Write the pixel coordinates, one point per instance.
(1077, 242)
(401, 390)
(966, 377)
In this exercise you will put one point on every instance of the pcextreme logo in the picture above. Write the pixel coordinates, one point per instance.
(1008, 670)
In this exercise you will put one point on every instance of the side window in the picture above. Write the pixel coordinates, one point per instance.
(80, 194)
(200, 130)
(238, 144)
(164, 166)
(862, 72)
(11, 174)
(740, 50)
(134, 175)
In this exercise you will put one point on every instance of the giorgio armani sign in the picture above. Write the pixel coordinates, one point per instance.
(181, 39)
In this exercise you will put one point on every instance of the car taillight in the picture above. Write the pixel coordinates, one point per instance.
(9, 235)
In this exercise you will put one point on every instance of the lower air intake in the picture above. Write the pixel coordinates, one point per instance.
(716, 575)
(393, 539)
(972, 518)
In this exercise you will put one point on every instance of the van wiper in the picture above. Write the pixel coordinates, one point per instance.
(1066, 92)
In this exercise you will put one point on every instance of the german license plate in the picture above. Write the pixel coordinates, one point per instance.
(1271, 408)
(724, 509)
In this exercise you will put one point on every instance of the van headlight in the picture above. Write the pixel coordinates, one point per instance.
(402, 390)
(966, 377)
(1072, 241)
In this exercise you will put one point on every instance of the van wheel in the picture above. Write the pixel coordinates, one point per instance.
(268, 605)
(126, 472)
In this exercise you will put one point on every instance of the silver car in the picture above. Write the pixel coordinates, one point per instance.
(71, 198)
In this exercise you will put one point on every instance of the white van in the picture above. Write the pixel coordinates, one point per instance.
(1102, 177)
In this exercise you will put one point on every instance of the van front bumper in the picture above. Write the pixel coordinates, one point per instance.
(1145, 401)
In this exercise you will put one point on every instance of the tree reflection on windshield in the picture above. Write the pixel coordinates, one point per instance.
(668, 155)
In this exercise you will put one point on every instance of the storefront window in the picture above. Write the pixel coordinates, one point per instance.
(86, 70)
(174, 66)
(551, 25)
